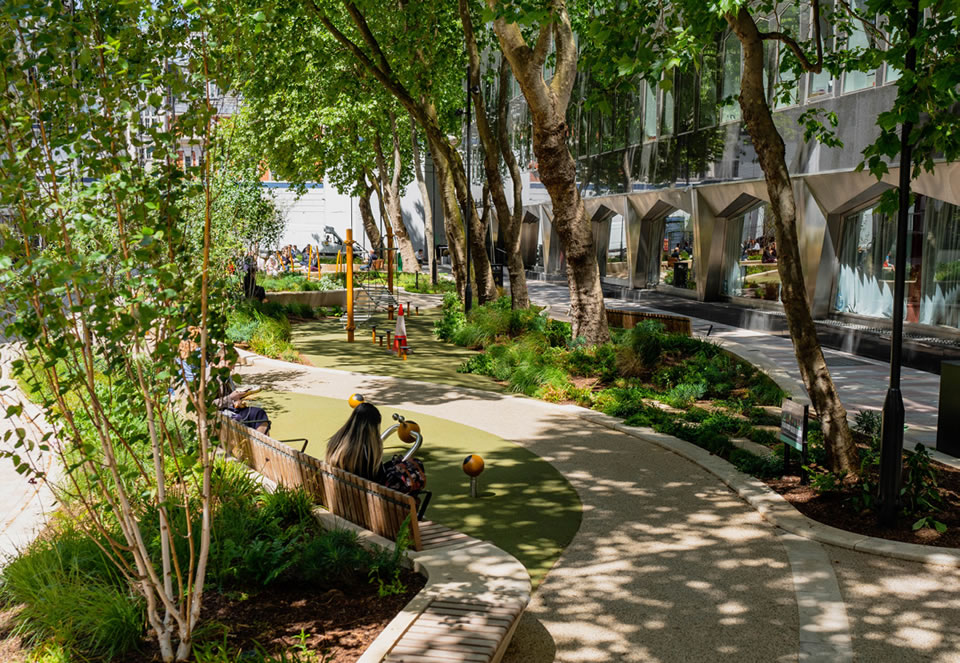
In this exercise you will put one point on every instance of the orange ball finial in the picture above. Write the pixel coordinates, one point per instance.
(355, 400)
(473, 465)
(406, 430)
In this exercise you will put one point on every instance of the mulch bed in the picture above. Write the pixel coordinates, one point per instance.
(338, 624)
(835, 509)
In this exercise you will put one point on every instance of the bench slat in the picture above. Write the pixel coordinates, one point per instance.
(362, 502)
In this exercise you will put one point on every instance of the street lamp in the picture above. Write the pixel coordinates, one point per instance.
(891, 449)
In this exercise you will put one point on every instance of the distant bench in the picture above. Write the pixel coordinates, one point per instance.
(672, 324)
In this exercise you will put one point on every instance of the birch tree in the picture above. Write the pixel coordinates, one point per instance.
(93, 264)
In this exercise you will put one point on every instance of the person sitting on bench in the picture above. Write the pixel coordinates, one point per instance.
(357, 447)
(229, 400)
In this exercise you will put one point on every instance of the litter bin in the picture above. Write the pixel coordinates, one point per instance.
(680, 270)
(948, 423)
(497, 274)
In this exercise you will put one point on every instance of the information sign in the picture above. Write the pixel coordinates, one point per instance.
(793, 433)
(793, 424)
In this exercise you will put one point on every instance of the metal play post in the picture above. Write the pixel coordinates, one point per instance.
(310, 260)
(349, 247)
(390, 271)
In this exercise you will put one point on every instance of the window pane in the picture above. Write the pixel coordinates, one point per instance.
(686, 101)
(940, 275)
(731, 79)
(787, 89)
(749, 257)
(636, 116)
(666, 114)
(858, 80)
(822, 83)
(867, 258)
(708, 88)
(650, 112)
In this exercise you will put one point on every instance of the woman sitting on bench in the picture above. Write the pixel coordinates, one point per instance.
(357, 447)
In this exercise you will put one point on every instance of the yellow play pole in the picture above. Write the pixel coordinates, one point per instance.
(390, 269)
(350, 326)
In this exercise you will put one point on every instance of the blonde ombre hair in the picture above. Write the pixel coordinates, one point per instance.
(357, 447)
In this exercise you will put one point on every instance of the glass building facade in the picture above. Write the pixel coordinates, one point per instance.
(672, 163)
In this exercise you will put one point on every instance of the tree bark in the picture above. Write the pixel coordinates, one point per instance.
(428, 241)
(510, 230)
(451, 219)
(404, 244)
(557, 169)
(423, 110)
(390, 185)
(366, 212)
(841, 452)
(491, 164)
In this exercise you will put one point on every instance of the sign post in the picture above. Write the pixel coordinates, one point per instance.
(793, 433)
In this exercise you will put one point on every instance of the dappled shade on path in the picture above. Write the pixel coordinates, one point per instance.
(324, 344)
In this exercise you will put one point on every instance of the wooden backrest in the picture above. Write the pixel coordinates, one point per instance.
(362, 502)
(672, 324)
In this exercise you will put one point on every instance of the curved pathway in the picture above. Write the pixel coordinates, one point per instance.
(668, 564)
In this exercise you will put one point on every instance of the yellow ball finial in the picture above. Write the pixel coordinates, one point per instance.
(355, 400)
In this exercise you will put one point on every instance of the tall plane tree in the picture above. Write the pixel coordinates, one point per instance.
(548, 103)
(496, 145)
(412, 50)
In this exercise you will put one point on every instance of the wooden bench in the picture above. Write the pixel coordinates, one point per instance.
(362, 502)
(672, 324)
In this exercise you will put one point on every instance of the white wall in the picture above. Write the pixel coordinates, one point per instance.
(323, 206)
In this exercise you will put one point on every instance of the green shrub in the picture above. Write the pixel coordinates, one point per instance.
(451, 319)
(684, 394)
(646, 342)
(69, 593)
(764, 467)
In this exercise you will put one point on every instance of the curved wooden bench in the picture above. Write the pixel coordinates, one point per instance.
(362, 502)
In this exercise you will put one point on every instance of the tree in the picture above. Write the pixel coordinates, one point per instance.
(496, 144)
(548, 108)
(96, 266)
(421, 74)
(644, 38)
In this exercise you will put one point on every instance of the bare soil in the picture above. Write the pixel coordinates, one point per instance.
(836, 509)
(337, 624)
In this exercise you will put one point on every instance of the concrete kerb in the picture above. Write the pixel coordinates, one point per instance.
(771, 505)
(473, 570)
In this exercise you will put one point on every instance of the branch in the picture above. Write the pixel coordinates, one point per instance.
(542, 45)
(368, 37)
(868, 26)
(385, 77)
(566, 72)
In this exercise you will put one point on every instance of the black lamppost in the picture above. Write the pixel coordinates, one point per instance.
(891, 449)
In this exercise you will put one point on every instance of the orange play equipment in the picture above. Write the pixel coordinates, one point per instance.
(472, 467)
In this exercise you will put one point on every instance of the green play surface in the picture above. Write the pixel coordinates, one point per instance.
(324, 343)
(526, 506)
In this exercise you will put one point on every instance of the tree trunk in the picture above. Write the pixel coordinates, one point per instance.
(841, 451)
(482, 272)
(428, 241)
(366, 213)
(491, 160)
(404, 244)
(510, 229)
(451, 219)
(389, 184)
(557, 169)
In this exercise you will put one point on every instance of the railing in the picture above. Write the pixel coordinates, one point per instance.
(349, 496)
